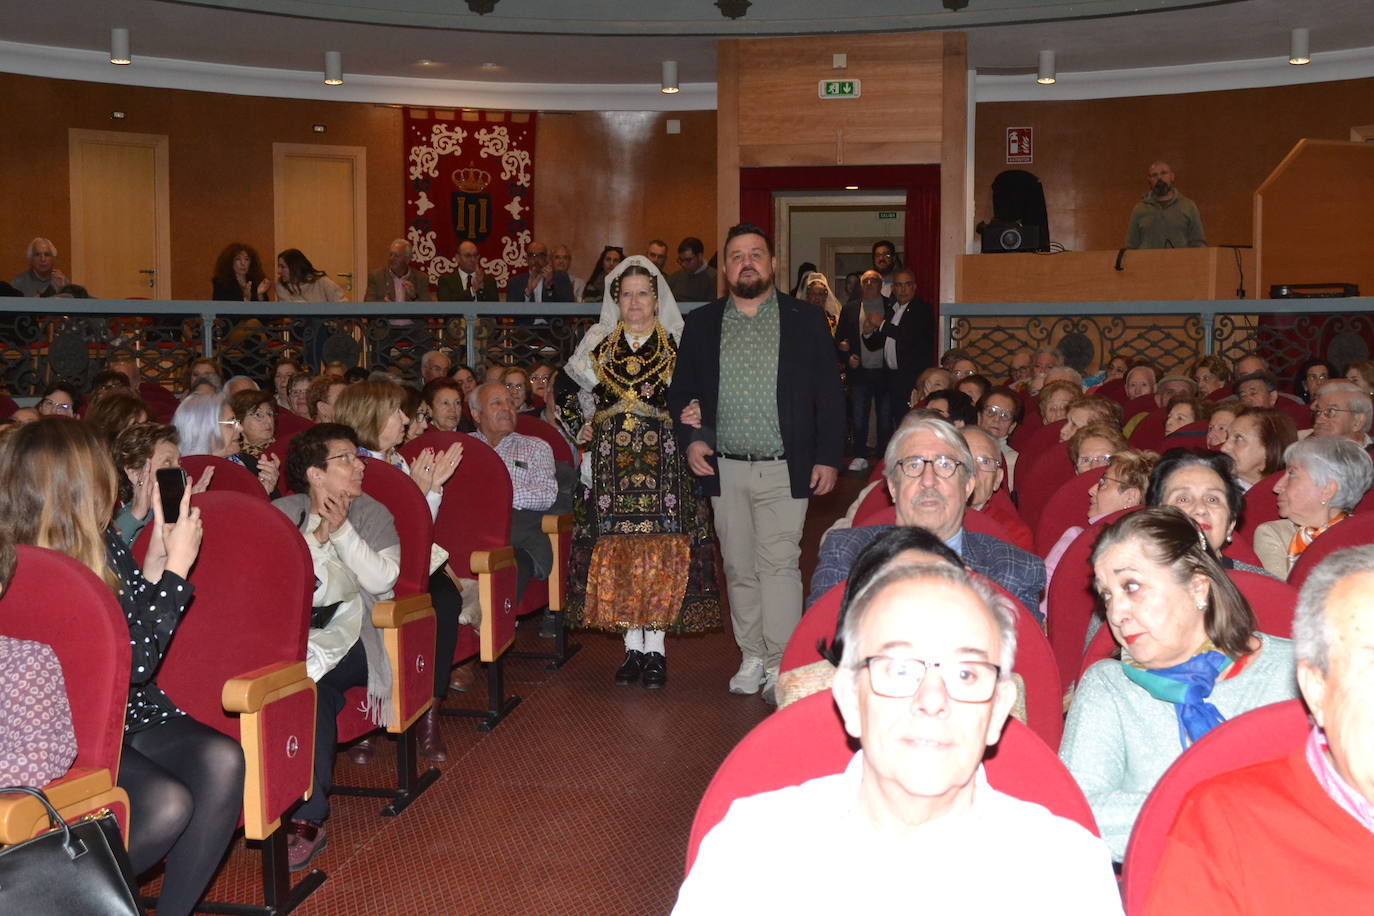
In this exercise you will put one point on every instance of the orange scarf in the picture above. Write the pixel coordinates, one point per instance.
(1305, 535)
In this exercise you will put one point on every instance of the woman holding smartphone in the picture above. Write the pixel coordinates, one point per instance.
(58, 490)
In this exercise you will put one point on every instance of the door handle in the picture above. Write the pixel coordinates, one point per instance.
(152, 277)
(349, 284)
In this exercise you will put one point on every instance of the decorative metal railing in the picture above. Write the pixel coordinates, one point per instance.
(1171, 334)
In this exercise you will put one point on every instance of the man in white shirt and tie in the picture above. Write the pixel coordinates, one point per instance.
(906, 337)
(469, 283)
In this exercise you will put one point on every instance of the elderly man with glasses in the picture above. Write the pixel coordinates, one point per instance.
(1342, 409)
(1294, 834)
(931, 475)
(911, 825)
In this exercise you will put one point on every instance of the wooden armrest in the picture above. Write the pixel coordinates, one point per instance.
(393, 614)
(20, 813)
(247, 692)
(557, 524)
(490, 561)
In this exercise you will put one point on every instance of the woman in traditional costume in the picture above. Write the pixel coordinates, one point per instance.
(643, 562)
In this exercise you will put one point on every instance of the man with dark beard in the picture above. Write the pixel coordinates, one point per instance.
(1165, 218)
(931, 474)
(762, 422)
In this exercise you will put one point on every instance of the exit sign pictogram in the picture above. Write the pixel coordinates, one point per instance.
(838, 89)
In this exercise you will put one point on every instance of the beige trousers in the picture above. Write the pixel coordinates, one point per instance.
(759, 524)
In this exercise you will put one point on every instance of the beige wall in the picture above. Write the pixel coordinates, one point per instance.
(616, 178)
(1092, 155)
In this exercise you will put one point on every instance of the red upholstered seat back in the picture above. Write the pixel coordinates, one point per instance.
(1261, 734)
(476, 510)
(1194, 435)
(251, 608)
(982, 523)
(1261, 505)
(1029, 425)
(807, 740)
(1221, 394)
(1034, 658)
(288, 425)
(1354, 531)
(1113, 390)
(877, 503)
(394, 489)
(1298, 412)
(528, 425)
(1067, 507)
(1274, 602)
(1042, 468)
(230, 477)
(1149, 432)
(162, 404)
(1072, 600)
(55, 600)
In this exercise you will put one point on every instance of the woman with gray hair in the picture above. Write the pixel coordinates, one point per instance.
(1327, 476)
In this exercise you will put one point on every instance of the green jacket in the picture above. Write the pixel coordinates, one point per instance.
(1174, 223)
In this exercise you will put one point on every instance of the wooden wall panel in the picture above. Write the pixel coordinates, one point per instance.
(1092, 155)
(615, 177)
(618, 178)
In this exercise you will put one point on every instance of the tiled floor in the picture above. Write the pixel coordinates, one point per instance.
(580, 802)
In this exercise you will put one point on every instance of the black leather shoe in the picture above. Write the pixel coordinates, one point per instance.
(655, 673)
(548, 626)
(628, 672)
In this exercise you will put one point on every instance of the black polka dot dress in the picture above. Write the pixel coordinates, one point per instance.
(152, 611)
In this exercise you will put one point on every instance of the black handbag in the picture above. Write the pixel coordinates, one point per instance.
(79, 868)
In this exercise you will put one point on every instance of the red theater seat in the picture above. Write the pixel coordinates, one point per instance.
(57, 601)
(1067, 508)
(1072, 601)
(1353, 532)
(230, 477)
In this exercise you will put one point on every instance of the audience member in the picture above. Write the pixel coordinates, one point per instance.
(115, 411)
(256, 414)
(1344, 410)
(1292, 834)
(139, 453)
(1174, 386)
(355, 552)
(906, 335)
(517, 382)
(975, 386)
(1054, 400)
(885, 263)
(445, 399)
(1140, 380)
(466, 379)
(1202, 485)
(1000, 413)
(42, 277)
(1259, 389)
(1180, 622)
(239, 276)
(1312, 374)
(397, 281)
(952, 405)
(184, 779)
(417, 413)
(930, 475)
(930, 381)
(541, 379)
(541, 282)
(1249, 364)
(1256, 440)
(1361, 375)
(1019, 368)
(1326, 477)
(1165, 218)
(561, 259)
(321, 395)
(694, 280)
(756, 368)
(1185, 410)
(59, 400)
(469, 282)
(297, 395)
(928, 651)
(1211, 373)
(1089, 410)
(204, 369)
(595, 288)
(299, 281)
(815, 289)
(236, 383)
(434, 364)
(657, 253)
(1093, 446)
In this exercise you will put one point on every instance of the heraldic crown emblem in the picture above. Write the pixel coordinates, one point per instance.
(472, 180)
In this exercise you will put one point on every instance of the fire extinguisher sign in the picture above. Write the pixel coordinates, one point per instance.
(1020, 144)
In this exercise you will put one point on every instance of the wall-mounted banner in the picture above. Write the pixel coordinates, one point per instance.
(469, 176)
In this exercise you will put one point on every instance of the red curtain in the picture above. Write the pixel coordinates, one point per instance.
(921, 183)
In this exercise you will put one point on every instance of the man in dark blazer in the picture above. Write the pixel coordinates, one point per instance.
(926, 497)
(541, 283)
(906, 336)
(761, 416)
(469, 283)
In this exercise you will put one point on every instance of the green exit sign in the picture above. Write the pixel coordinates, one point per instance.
(838, 89)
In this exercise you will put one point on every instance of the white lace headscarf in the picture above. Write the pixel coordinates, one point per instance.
(580, 368)
(832, 305)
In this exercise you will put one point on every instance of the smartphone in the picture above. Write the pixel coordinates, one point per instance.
(171, 484)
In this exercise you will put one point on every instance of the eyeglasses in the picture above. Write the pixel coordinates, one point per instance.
(986, 463)
(345, 457)
(943, 465)
(515, 386)
(1001, 413)
(230, 423)
(1104, 479)
(1330, 411)
(540, 378)
(54, 405)
(965, 680)
(962, 373)
(1093, 461)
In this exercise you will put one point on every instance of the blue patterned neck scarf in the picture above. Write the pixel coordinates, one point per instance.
(1187, 686)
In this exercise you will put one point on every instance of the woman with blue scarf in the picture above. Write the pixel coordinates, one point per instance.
(1190, 659)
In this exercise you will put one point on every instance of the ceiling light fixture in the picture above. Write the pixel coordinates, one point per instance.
(1045, 76)
(1297, 48)
(851, 187)
(669, 77)
(482, 7)
(333, 68)
(119, 47)
(733, 9)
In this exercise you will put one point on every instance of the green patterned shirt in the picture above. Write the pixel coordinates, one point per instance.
(747, 415)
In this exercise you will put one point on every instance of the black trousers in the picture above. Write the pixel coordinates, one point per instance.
(351, 671)
(448, 604)
(185, 785)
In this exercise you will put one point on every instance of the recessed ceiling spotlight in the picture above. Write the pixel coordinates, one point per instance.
(669, 85)
(333, 68)
(1297, 48)
(119, 47)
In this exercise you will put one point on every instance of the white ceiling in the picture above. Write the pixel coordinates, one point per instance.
(1242, 30)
